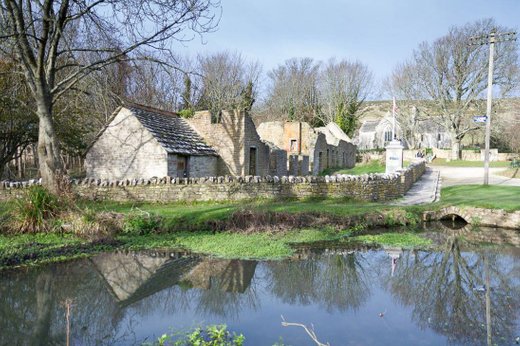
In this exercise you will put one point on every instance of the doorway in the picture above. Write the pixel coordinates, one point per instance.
(252, 161)
(182, 166)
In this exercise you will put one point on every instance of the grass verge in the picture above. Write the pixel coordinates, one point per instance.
(491, 196)
(464, 163)
(373, 166)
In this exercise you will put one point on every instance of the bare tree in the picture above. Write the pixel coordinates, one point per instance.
(57, 43)
(293, 90)
(344, 86)
(156, 85)
(17, 123)
(224, 81)
(452, 76)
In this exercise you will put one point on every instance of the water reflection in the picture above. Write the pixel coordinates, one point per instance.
(336, 282)
(448, 291)
(457, 295)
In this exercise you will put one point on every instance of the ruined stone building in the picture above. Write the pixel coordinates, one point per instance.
(310, 149)
(234, 137)
(144, 142)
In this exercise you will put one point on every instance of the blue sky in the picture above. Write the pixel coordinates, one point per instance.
(380, 33)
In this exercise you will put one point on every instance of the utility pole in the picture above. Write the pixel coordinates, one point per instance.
(490, 40)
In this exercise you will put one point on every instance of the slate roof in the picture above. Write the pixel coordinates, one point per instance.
(171, 131)
(369, 126)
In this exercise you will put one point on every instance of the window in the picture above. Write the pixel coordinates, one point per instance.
(439, 137)
(216, 118)
(273, 163)
(293, 145)
(388, 136)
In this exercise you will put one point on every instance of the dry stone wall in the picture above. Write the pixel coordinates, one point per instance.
(370, 187)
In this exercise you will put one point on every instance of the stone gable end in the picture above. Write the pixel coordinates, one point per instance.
(126, 150)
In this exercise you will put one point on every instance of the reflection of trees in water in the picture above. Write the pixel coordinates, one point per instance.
(338, 282)
(32, 309)
(447, 292)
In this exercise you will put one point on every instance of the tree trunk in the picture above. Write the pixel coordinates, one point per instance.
(49, 159)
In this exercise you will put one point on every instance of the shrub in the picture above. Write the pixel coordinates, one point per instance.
(141, 223)
(213, 335)
(36, 210)
(187, 113)
(92, 225)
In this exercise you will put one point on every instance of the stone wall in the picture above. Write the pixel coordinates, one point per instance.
(372, 187)
(277, 162)
(472, 155)
(202, 166)
(130, 149)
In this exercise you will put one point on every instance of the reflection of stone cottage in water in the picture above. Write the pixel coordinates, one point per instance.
(133, 277)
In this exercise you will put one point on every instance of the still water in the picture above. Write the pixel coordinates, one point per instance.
(459, 295)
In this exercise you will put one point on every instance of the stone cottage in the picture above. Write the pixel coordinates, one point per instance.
(143, 142)
(313, 149)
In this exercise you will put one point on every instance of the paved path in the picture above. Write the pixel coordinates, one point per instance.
(425, 190)
(473, 175)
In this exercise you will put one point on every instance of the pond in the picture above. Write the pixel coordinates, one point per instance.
(459, 294)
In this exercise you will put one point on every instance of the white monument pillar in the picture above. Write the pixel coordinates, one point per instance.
(394, 156)
(394, 149)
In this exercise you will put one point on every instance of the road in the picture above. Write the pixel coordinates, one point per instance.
(472, 175)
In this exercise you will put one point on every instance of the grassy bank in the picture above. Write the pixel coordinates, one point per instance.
(260, 229)
(464, 163)
(491, 196)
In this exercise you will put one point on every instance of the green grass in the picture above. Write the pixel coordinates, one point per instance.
(372, 167)
(44, 248)
(491, 196)
(38, 248)
(231, 245)
(402, 240)
(463, 163)
(177, 214)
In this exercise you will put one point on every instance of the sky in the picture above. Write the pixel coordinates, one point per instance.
(379, 33)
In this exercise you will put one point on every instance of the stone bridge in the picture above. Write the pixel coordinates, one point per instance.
(477, 216)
